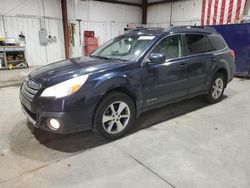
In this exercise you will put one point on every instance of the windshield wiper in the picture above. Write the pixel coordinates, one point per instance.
(107, 58)
(100, 57)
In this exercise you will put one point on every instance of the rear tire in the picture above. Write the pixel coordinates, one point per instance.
(216, 89)
(114, 116)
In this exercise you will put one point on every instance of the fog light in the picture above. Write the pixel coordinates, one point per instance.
(54, 124)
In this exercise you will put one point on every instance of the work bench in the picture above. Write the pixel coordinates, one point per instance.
(12, 57)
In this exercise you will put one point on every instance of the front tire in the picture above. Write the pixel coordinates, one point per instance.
(114, 116)
(216, 89)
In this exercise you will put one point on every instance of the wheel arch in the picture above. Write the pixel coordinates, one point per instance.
(116, 84)
(224, 72)
(121, 89)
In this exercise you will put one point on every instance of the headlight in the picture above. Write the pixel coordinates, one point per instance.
(65, 88)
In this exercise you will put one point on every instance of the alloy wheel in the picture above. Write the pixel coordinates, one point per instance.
(116, 117)
(217, 88)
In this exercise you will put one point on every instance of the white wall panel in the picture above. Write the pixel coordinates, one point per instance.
(158, 13)
(15, 25)
(52, 8)
(35, 53)
(55, 50)
(106, 11)
(106, 19)
(186, 12)
(13, 7)
(25, 15)
(102, 12)
(247, 8)
(1, 27)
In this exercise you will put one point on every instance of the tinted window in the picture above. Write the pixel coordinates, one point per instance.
(216, 43)
(170, 47)
(198, 44)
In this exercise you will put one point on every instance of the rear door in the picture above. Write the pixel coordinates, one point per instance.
(199, 55)
(165, 81)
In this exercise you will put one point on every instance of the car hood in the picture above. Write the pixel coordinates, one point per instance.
(68, 68)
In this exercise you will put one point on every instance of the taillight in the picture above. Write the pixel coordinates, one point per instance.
(232, 53)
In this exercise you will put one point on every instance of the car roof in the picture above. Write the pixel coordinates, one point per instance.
(173, 29)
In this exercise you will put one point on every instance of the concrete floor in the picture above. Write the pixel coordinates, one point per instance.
(13, 77)
(188, 144)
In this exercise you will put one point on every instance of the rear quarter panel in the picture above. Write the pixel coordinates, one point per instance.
(223, 61)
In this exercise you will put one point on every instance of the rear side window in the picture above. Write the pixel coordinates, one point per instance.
(216, 43)
(198, 44)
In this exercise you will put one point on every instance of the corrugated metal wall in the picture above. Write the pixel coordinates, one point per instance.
(106, 19)
(36, 54)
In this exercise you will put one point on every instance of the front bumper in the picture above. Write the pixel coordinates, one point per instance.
(29, 117)
(70, 121)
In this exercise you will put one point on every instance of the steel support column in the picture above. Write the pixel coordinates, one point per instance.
(65, 27)
(144, 11)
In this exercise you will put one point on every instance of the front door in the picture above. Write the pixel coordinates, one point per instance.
(165, 81)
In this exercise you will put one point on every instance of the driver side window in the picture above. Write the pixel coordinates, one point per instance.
(170, 47)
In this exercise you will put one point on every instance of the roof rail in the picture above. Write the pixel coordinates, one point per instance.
(146, 28)
(192, 28)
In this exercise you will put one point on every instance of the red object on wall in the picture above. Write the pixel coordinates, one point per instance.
(90, 49)
(90, 41)
(89, 33)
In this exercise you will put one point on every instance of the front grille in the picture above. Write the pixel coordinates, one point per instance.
(30, 88)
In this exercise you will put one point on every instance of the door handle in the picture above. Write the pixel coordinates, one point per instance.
(182, 66)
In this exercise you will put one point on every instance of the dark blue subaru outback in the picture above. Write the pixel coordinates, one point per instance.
(132, 73)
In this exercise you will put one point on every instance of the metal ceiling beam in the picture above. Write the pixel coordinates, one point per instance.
(119, 2)
(161, 2)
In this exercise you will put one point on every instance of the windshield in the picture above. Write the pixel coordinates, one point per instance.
(123, 47)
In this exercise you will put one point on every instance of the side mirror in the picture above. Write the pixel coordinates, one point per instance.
(157, 58)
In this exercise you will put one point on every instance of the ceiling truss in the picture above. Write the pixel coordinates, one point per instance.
(144, 2)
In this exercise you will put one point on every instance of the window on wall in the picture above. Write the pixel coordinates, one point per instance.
(198, 44)
(170, 47)
(217, 43)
